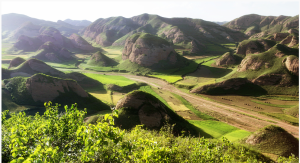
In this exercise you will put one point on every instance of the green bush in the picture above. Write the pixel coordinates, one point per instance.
(55, 137)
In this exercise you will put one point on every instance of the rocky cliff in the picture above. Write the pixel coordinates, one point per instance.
(226, 59)
(254, 46)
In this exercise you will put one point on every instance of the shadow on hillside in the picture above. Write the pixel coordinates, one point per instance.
(210, 72)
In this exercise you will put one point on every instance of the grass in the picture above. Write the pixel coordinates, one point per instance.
(219, 129)
(275, 105)
(168, 78)
(69, 65)
(110, 79)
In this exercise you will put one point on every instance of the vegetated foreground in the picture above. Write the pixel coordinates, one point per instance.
(55, 137)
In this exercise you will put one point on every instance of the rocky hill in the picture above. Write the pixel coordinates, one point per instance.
(139, 107)
(258, 26)
(41, 88)
(99, 59)
(80, 43)
(151, 51)
(226, 59)
(115, 30)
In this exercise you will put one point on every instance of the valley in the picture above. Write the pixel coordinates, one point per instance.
(182, 79)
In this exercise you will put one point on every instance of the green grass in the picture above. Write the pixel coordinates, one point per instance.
(168, 78)
(110, 79)
(133, 67)
(275, 105)
(219, 129)
(69, 65)
(195, 111)
(96, 68)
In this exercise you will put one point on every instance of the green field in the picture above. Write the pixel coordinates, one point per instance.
(110, 79)
(168, 78)
(219, 129)
(275, 105)
(149, 90)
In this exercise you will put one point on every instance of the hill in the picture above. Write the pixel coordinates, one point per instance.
(275, 140)
(99, 59)
(259, 26)
(82, 23)
(12, 21)
(181, 31)
(139, 107)
(48, 34)
(152, 52)
(40, 88)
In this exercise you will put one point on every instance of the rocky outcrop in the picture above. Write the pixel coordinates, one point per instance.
(287, 40)
(81, 43)
(226, 59)
(148, 50)
(26, 43)
(99, 59)
(250, 63)
(16, 62)
(280, 36)
(272, 79)
(237, 86)
(294, 41)
(292, 64)
(51, 87)
(254, 46)
(148, 110)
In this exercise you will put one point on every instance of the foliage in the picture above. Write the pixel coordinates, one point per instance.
(55, 137)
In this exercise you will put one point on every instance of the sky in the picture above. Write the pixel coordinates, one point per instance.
(213, 10)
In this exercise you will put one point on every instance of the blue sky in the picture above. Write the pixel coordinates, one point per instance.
(213, 10)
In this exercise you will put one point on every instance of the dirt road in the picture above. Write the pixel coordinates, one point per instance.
(238, 117)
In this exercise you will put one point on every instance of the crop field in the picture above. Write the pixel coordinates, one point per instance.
(111, 79)
(108, 97)
(68, 65)
(219, 129)
(112, 52)
(272, 107)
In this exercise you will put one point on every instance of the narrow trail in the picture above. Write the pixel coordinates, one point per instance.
(240, 118)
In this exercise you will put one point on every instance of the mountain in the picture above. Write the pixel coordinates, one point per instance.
(181, 31)
(49, 34)
(11, 23)
(82, 23)
(221, 23)
(258, 26)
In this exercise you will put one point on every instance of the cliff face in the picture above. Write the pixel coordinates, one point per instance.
(292, 64)
(258, 26)
(254, 46)
(147, 50)
(45, 88)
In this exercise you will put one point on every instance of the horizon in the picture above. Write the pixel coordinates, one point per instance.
(205, 10)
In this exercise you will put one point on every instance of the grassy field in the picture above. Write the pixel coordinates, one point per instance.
(275, 105)
(168, 78)
(219, 129)
(68, 65)
(110, 79)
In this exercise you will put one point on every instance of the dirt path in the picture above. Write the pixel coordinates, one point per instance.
(241, 118)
